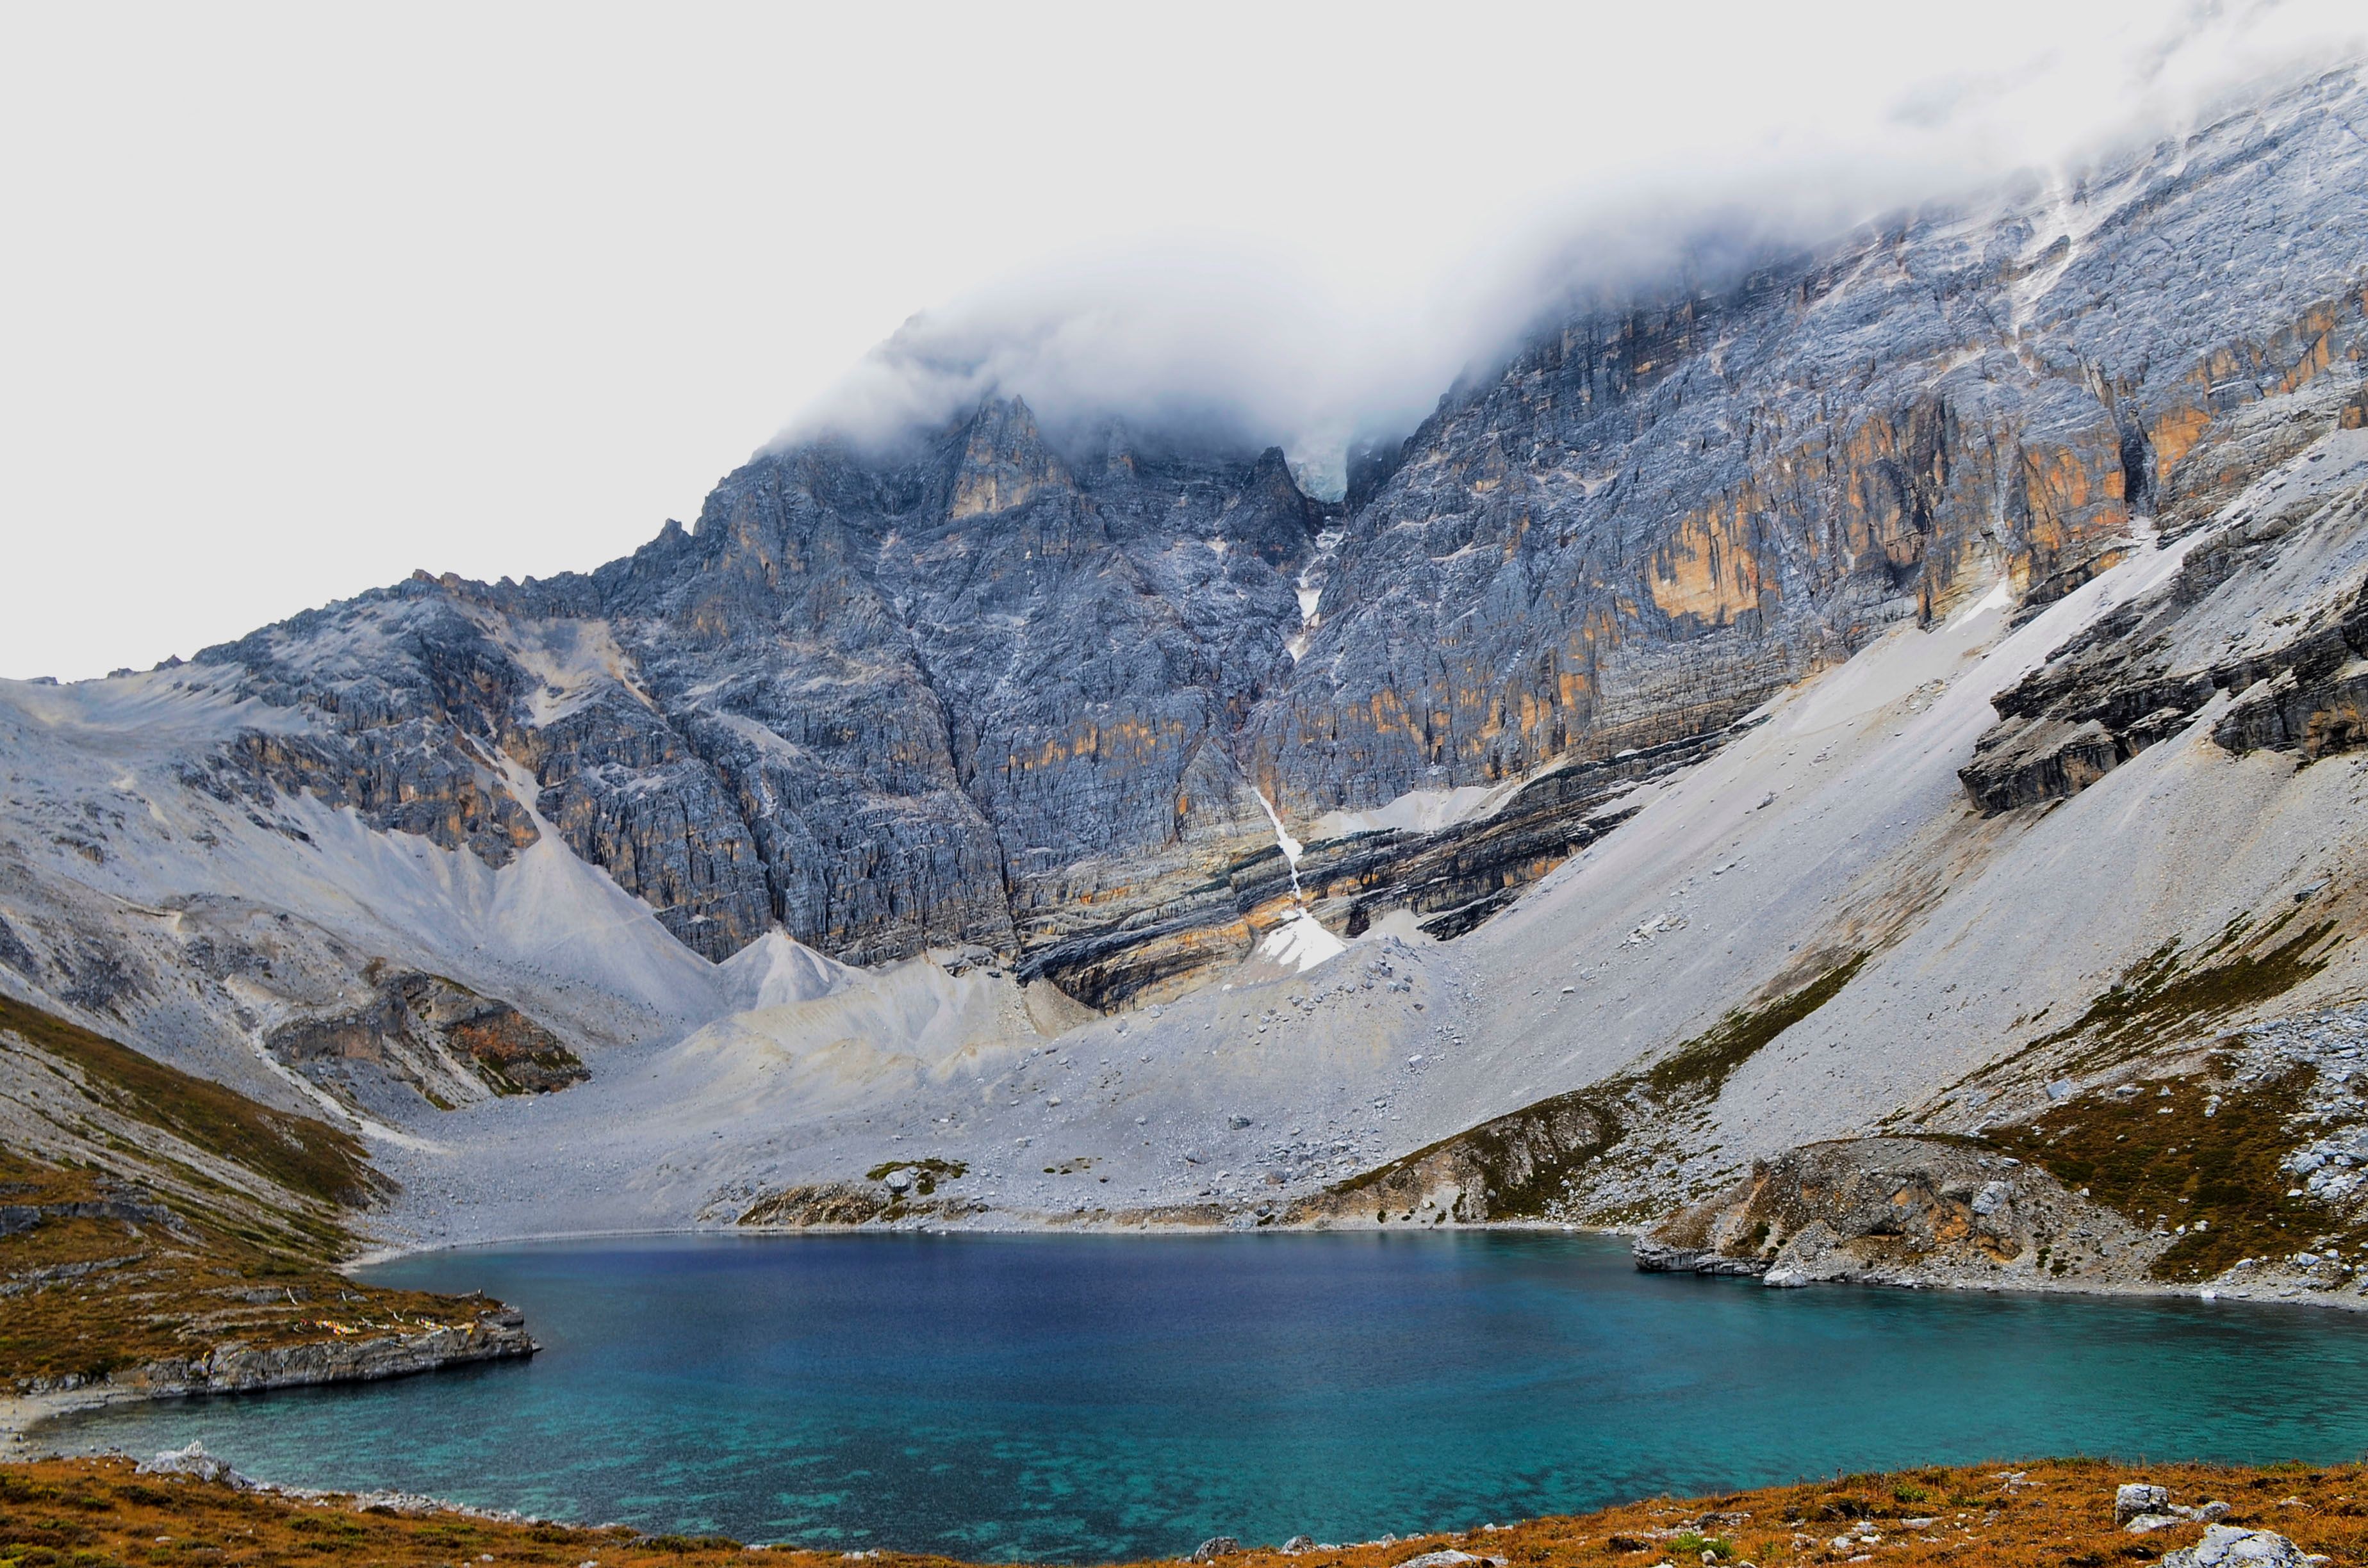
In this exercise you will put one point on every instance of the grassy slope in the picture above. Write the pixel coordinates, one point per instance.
(298, 1152)
(2056, 1513)
(229, 1216)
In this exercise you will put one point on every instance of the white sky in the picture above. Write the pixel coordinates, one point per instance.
(293, 299)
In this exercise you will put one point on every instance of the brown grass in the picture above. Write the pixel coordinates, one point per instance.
(185, 1262)
(2044, 1513)
(2157, 1159)
(101, 1295)
(298, 1152)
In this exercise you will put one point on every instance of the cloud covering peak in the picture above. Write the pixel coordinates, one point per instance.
(1354, 328)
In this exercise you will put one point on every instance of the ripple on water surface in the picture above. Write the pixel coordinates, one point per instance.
(1111, 1397)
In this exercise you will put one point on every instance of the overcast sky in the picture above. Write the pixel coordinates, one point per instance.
(294, 300)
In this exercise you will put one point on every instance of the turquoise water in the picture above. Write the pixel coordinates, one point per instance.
(1072, 1398)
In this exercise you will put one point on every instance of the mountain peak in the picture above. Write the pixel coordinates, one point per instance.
(1005, 462)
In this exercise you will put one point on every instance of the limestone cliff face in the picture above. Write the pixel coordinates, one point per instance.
(1020, 688)
(1657, 513)
(976, 691)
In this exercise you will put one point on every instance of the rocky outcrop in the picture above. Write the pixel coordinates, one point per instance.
(407, 713)
(2141, 1507)
(2270, 609)
(834, 1204)
(436, 1036)
(1512, 1166)
(497, 1333)
(2233, 1546)
(129, 1204)
(1456, 876)
(1899, 1212)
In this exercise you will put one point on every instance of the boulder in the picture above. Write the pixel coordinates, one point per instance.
(2138, 1497)
(1217, 1546)
(193, 1462)
(2228, 1546)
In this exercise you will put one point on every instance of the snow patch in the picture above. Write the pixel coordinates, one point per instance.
(1291, 848)
(1300, 942)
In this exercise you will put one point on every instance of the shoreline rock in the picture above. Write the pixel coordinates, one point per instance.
(498, 1333)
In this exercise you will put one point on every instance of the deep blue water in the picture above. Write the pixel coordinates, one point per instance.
(1097, 1397)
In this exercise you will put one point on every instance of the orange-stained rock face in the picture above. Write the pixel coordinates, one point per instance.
(1005, 464)
(1707, 570)
(2073, 495)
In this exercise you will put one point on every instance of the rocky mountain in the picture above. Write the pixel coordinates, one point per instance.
(989, 689)
(1861, 568)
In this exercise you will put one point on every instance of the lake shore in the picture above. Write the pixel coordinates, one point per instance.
(2275, 1290)
(21, 1412)
(1224, 1369)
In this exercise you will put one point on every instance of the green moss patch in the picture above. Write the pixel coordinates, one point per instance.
(1524, 1158)
(926, 1173)
(1700, 1068)
(2172, 993)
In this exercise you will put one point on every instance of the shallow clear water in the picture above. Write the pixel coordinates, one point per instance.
(1099, 1397)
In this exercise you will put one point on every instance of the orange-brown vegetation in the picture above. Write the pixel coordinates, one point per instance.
(2045, 1514)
